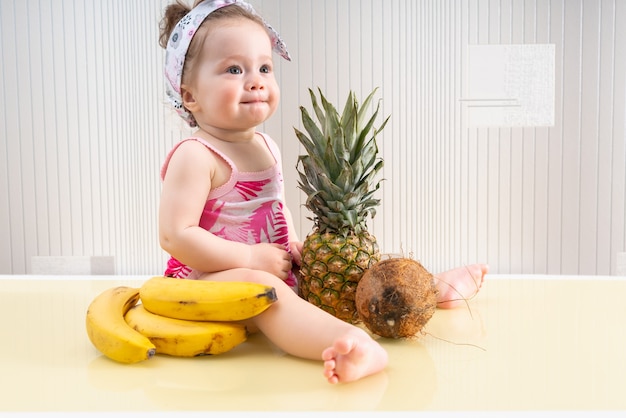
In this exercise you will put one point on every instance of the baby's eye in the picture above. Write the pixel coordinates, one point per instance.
(234, 70)
(266, 69)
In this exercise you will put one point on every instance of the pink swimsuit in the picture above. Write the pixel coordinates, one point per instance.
(248, 208)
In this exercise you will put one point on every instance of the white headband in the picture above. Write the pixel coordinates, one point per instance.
(180, 39)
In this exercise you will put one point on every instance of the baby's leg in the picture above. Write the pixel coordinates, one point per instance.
(457, 285)
(301, 329)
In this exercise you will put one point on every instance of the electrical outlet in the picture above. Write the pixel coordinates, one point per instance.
(621, 264)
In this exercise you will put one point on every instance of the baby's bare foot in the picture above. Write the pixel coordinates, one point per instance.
(460, 284)
(353, 357)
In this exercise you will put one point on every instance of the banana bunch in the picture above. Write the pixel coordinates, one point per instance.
(177, 317)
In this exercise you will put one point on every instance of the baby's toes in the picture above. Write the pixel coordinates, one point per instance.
(329, 354)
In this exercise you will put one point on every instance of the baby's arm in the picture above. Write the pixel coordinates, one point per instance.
(295, 245)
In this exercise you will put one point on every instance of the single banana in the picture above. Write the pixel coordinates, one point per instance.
(109, 332)
(202, 300)
(182, 338)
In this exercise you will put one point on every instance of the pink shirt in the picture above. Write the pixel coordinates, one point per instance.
(248, 208)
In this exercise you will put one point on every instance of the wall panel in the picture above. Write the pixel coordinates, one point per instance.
(84, 128)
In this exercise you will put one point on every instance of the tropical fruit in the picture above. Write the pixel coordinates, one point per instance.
(108, 331)
(205, 300)
(178, 317)
(396, 297)
(338, 175)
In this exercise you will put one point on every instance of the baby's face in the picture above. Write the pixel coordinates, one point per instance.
(235, 86)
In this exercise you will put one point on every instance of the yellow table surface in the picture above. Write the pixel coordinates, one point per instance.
(525, 343)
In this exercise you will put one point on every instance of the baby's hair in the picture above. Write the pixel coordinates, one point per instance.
(177, 10)
(171, 16)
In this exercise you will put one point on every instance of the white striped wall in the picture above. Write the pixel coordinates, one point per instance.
(84, 129)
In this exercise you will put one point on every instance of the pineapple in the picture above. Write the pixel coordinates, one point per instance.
(338, 176)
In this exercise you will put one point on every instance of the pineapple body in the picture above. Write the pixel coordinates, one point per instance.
(332, 265)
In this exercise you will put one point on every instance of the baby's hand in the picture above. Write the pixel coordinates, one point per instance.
(272, 258)
(296, 251)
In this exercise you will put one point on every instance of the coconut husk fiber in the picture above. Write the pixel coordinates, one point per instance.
(396, 297)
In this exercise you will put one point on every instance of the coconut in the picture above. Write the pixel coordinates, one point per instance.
(396, 297)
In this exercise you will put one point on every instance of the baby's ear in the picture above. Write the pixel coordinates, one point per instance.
(189, 101)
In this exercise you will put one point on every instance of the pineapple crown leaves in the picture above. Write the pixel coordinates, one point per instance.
(341, 162)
